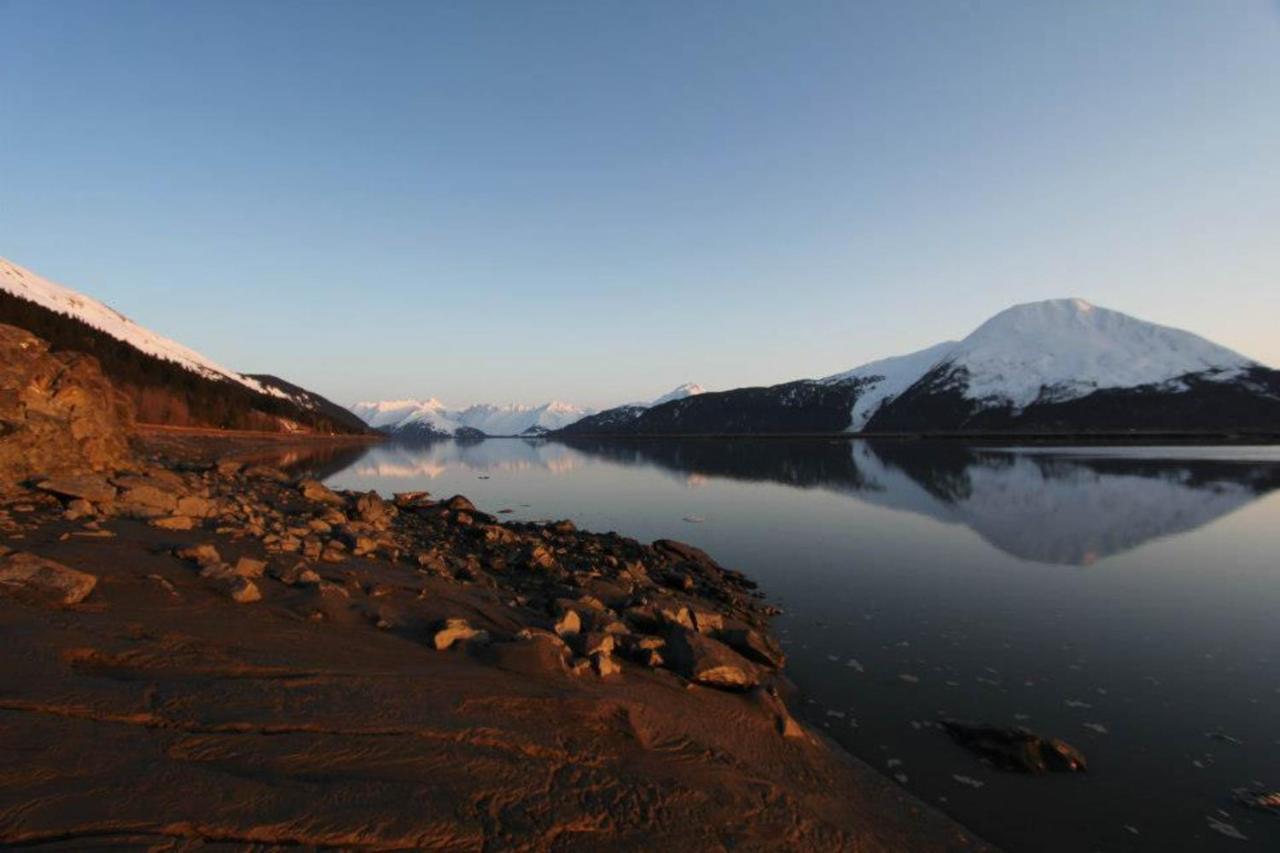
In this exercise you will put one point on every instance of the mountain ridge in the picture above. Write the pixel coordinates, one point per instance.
(167, 382)
(1062, 365)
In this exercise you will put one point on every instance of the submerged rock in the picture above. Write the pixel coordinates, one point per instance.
(1016, 748)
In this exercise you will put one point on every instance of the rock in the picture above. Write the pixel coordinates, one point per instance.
(299, 574)
(228, 467)
(173, 522)
(569, 624)
(458, 631)
(458, 503)
(412, 500)
(1258, 798)
(58, 413)
(247, 567)
(236, 587)
(195, 506)
(563, 527)
(314, 490)
(595, 642)
(1016, 748)
(754, 645)
(372, 509)
(540, 557)
(242, 590)
(605, 665)
(266, 472)
(708, 662)
(767, 698)
(677, 616)
(204, 555)
(79, 508)
(41, 581)
(148, 498)
(85, 486)
(707, 622)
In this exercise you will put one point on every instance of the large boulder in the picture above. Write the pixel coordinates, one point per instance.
(58, 413)
(708, 662)
(37, 580)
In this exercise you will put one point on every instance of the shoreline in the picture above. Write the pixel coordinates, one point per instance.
(639, 654)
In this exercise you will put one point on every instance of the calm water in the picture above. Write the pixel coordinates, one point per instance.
(1124, 600)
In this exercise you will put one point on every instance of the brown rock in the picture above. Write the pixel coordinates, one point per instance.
(204, 555)
(752, 644)
(85, 486)
(458, 631)
(58, 412)
(314, 490)
(195, 506)
(247, 567)
(705, 661)
(458, 503)
(173, 522)
(568, 624)
(41, 581)
(149, 497)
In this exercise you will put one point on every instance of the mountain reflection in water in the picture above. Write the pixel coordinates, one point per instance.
(1072, 506)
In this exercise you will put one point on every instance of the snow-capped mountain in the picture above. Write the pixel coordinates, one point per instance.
(688, 389)
(433, 419)
(881, 381)
(1066, 364)
(25, 284)
(1061, 365)
(1066, 348)
(145, 364)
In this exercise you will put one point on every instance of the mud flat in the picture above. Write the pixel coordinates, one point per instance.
(199, 649)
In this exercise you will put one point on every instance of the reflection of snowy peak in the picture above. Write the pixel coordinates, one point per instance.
(1056, 509)
(432, 419)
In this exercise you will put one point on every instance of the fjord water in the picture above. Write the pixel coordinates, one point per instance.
(1123, 599)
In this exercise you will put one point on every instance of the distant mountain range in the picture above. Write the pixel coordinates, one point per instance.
(432, 419)
(167, 382)
(1059, 366)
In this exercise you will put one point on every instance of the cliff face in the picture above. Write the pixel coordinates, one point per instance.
(58, 412)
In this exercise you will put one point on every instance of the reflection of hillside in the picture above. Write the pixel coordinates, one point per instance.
(1053, 507)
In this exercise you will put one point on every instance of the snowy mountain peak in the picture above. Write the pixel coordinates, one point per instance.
(688, 389)
(432, 417)
(25, 284)
(1065, 348)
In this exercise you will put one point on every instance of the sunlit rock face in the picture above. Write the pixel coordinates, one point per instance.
(58, 413)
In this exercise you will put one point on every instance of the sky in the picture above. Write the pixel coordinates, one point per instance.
(597, 201)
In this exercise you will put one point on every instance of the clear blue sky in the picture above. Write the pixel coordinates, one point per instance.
(597, 201)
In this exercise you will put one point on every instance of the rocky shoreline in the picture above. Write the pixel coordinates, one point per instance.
(205, 649)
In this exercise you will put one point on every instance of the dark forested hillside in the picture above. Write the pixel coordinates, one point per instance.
(166, 393)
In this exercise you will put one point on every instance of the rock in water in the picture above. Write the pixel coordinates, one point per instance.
(41, 581)
(1017, 748)
(58, 413)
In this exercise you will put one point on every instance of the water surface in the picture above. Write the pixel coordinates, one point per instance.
(1125, 600)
